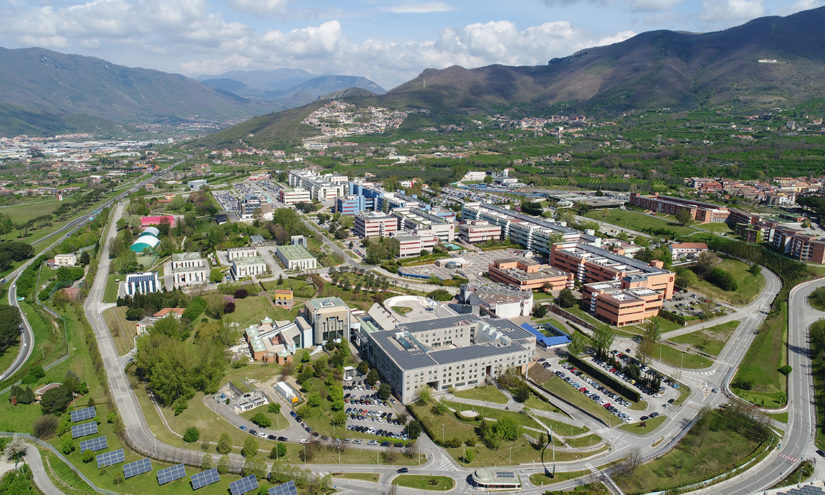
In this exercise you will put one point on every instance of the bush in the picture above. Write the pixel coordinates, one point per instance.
(87, 456)
(191, 435)
(228, 308)
(56, 400)
(67, 445)
(134, 314)
(34, 374)
(261, 420)
(224, 444)
(722, 279)
(786, 369)
(194, 309)
(274, 408)
(241, 294)
(44, 426)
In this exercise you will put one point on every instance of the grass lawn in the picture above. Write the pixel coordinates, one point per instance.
(781, 417)
(422, 482)
(665, 324)
(684, 393)
(585, 441)
(123, 330)
(556, 323)
(649, 426)
(487, 393)
(358, 476)
(562, 389)
(716, 228)
(402, 310)
(279, 421)
(758, 380)
(490, 413)
(539, 479)
(677, 358)
(110, 292)
(251, 310)
(710, 340)
(748, 286)
(638, 221)
(536, 402)
(49, 342)
(299, 287)
(817, 299)
(700, 455)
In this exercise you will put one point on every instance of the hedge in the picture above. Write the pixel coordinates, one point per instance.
(667, 315)
(605, 378)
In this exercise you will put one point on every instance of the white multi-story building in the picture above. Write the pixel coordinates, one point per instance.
(411, 245)
(248, 267)
(295, 257)
(293, 195)
(189, 269)
(457, 352)
(373, 224)
(141, 283)
(474, 231)
(240, 252)
(416, 219)
(321, 187)
(69, 259)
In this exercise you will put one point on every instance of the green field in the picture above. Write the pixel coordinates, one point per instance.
(253, 309)
(279, 421)
(639, 222)
(748, 285)
(677, 358)
(649, 426)
(706, 451)
(709, 340)
(488, 393)
(422, 482)
(358, 476)
(758, 380)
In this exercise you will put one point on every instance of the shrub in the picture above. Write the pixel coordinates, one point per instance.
(56, 400)
(191, 435)
(261, 420)
(786, 369)
(241, 294)
(67, 445)
(87, 456)
(44, 426)
(229, 307)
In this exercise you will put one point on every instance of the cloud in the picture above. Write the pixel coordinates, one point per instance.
(731, 10)
(802, 5)
(420, 8)
(634, 5)
(260, 7)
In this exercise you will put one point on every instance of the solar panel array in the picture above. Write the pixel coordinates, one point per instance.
(110, 458)
(243, 485)
(83, 414)
(94, 444)
(287, 488)
(171, 473)
(84, 429)
(200, 480)
(136, 468)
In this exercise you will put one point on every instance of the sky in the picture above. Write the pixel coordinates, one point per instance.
(388, 41)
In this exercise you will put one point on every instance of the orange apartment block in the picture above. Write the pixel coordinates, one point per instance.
(620, 305)
(700, 211)
(527, 274)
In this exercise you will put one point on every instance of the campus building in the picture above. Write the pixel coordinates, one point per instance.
(69, 259)
(369, 224)
(329, 318)
(412, 245)
(494, 478)
(420, 221)
(240, 252)
(699, 211)
(683, 249)
(321, 187)
(146, 241)
(618, 303)
(496, 300)
(593, 264)
(799, 245)
(189, 269)
(247, 267)
(533, 233)
(293, 195)
(141, 283)
(352, 204)
(295, 257)
(527, 274)
(271, 342)
(475, 231)
(457, 351)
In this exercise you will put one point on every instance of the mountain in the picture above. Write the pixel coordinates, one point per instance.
(81, 93)
(764, 63)
(268, 80)
(266, 86)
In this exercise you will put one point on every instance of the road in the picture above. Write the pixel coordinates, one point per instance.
(797, 442)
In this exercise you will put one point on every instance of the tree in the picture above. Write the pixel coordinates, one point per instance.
(363, 367)
(755, 269)
(16, 449)
(425, 394)
(87, 456)
(507, 428)
(603, 337)
(468, 456)
(206, 461)
(372, 377)
(224, 444)
(683, 216)
(566, 298)
(10, 322)
(56, 400)
(413, 429)
(576, 345)
(44, 426)
(384, 391)
(261, 420)
(274, 408)
(521, 392)
(191, 435)
(685, 278)
(440, 295)
(278, 451)
(223, 464)
(67, 445)
(250, 447)
(539, 311)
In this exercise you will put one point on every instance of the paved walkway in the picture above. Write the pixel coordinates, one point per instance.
(41, 479)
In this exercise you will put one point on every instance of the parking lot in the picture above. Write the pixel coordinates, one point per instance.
(476, 263)
(368, 414)
(689, 304)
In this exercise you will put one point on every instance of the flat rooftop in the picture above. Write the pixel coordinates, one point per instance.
(604, 257)
(190, 256)
(294, 252)
(249, 260)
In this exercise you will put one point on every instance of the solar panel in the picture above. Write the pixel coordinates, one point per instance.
(84, 429)
(83, 414)
(243, 485)
(200, 480)
(109, 458)
(287, 488)
(172, 473)
(94, 444)
(136, 468)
